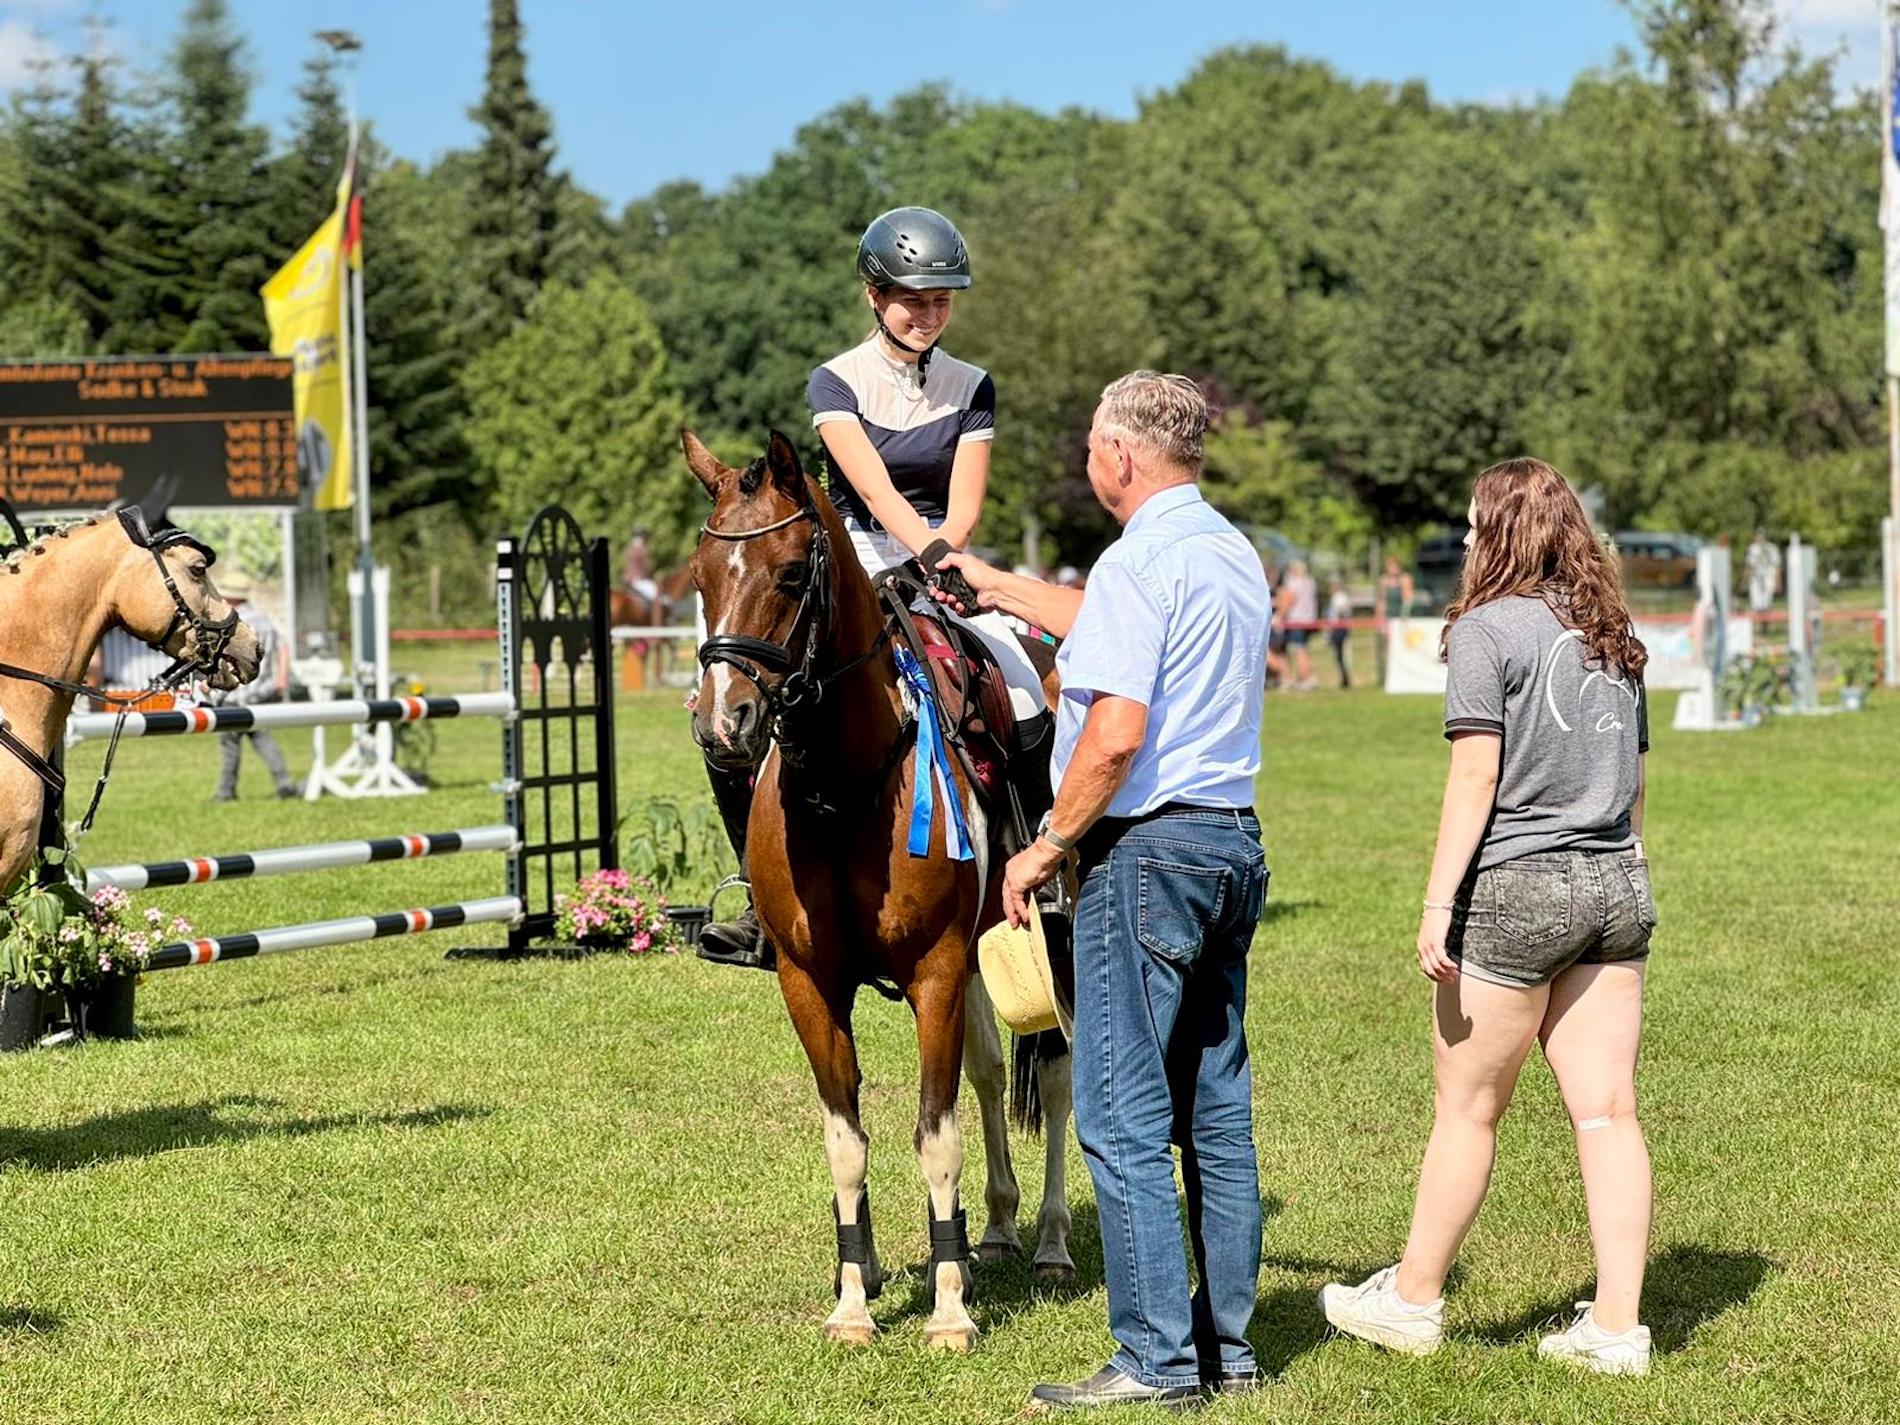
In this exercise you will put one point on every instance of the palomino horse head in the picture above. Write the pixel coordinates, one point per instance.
(761, 568)
(160, 589)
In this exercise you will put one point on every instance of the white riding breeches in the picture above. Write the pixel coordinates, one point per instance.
(878, 551)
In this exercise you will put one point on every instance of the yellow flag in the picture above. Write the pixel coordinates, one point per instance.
(304, 305)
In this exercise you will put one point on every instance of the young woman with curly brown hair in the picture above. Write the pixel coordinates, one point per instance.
(1538, 912)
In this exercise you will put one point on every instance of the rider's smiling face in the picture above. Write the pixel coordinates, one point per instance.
(916, 320)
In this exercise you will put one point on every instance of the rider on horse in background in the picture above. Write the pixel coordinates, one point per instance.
(908, 427)
(636, 566)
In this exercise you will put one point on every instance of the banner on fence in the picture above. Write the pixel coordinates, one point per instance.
(1411, 656)
(1675, 661)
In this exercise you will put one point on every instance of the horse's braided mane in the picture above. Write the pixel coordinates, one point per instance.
(16, 559)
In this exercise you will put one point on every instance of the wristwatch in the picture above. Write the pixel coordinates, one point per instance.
(1055, 838)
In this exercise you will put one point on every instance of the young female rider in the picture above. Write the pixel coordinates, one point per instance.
(908, 428)
(1538, 911)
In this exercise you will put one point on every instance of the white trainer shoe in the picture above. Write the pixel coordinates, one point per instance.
(1623, 1353)
(1374, 1311)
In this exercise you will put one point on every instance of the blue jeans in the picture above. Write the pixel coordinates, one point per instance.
(1162, 926)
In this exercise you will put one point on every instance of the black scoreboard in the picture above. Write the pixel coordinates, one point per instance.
(78, 434)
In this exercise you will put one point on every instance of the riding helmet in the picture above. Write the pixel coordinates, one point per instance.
(915, 248)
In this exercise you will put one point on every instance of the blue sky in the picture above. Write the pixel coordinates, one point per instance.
(647, 90)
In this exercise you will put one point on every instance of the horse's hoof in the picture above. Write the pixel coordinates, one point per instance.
(1055, 1273)
(848, 1333)
(992, 1254)
(958, 1339)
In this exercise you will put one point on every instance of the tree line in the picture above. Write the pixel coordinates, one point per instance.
(1667, 281)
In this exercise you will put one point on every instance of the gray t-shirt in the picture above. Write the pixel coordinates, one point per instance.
(1567, 772)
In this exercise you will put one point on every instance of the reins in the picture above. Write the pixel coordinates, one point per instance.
(211, 639)
(801, 687)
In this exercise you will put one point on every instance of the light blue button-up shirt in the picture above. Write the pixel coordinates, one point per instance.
(1175, 617)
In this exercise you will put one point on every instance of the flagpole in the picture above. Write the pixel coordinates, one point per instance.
(1890, 225)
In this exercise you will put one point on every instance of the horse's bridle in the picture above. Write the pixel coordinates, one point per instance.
(211, 637)
(800, 686)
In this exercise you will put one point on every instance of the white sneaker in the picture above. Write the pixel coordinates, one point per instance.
(1624, 1353)
(1374, 1311)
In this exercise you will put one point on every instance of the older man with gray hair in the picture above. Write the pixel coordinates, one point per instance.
(1157, 746)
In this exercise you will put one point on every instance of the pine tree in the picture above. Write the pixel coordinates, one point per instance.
(224, 200)
(514, 212)
(417, 455)
(305, 176)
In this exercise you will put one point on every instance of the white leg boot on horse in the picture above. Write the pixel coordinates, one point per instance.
(983, 1067)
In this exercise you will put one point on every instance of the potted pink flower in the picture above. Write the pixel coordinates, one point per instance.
(611, 910)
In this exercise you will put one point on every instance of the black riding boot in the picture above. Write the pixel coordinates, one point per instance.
(738, 941)
(1029, 769)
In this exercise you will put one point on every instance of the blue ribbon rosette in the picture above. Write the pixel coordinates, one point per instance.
(933, 767)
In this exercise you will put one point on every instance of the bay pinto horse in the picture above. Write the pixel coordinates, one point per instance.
(631, 609)
(798, 668)
(58, 597)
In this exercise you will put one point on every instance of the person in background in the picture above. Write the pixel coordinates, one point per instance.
(1763, 564)
(1393, 600)
(1339, 614)
(636, 566)
(1276, 639)
(272, 685)
(1302, 613)
(1538, 911)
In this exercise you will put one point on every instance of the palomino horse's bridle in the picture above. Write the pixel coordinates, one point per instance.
(800, 686)
(210, 639)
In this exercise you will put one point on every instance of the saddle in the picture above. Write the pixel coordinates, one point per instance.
(972, 695)
(1010, 777)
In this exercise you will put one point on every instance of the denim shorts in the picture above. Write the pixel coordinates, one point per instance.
(1523, 922)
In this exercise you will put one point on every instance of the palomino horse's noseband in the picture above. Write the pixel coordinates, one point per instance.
(210, 637)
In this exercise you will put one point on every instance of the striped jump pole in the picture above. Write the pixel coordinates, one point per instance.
(342, 712)
(333, 932)
(325, 856)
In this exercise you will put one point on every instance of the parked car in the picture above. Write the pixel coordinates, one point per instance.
(1435, 569)
(1657, 561)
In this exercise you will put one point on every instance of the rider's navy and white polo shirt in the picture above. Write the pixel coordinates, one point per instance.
(915, 428)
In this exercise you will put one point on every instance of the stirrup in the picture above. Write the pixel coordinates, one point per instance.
(720, 949)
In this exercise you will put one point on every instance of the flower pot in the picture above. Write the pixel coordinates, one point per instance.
(23, 1015)
(689, 920)
(1853, 699)
(106, 1009)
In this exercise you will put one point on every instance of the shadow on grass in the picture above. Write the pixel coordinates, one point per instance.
(146, 1132)
(1009, 1289)
(26, 1321)
(1683, 1287)
(1285, 909)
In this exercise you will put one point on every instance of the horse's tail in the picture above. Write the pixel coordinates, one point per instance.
(1025, 1091)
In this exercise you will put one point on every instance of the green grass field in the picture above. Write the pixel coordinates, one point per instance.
(368, 1184)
